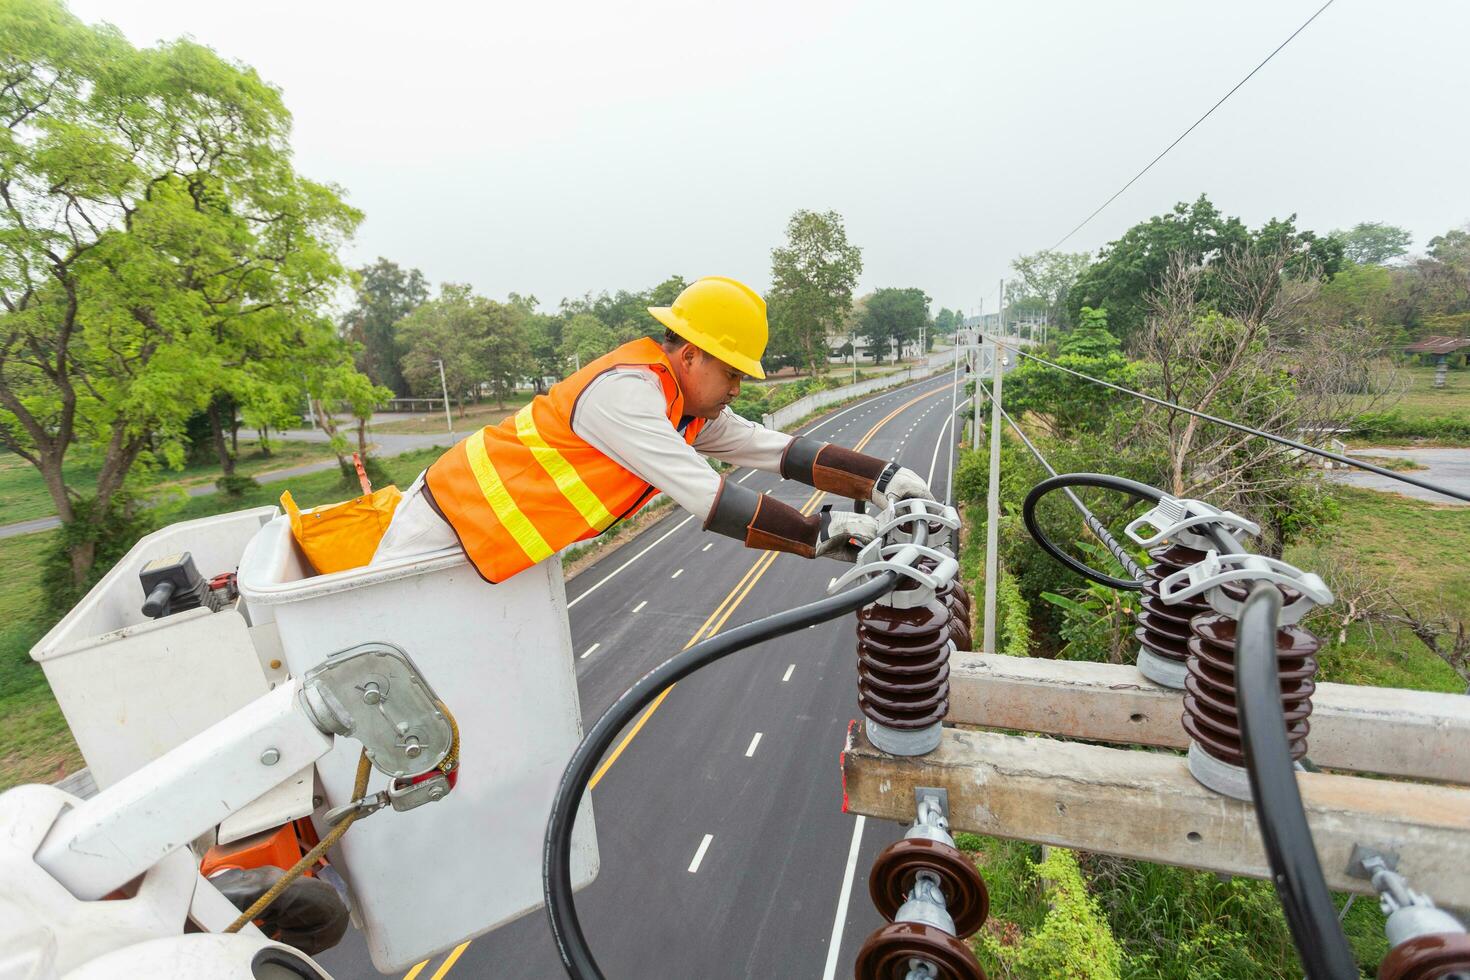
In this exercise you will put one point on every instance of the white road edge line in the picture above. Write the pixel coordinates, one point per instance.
(640, 605)
(699, 854)
(753, 743)
(939, 444)
(629, 561)
(589, 651)
(787, 675)
(834, 945)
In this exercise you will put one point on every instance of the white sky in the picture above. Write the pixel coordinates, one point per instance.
(554, 148)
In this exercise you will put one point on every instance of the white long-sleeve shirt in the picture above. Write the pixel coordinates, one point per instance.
(622, 414)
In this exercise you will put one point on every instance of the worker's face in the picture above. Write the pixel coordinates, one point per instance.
(709, 383)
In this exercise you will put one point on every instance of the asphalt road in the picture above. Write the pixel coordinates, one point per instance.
(725, 851)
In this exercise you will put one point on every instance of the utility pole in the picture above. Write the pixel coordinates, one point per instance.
(852, 343)
(975, 371)
(448, 419)
(992, 496)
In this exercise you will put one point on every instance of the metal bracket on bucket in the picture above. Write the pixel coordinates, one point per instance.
(375, 694)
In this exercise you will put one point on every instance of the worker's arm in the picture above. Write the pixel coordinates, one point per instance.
(622, 415)
(817, 464)
(851, 474)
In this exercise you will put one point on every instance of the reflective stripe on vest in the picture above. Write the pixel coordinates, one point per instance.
(517, 523)
(519, 491)
(572, 487)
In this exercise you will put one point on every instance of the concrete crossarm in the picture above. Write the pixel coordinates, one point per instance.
(1417, 734)
(1145, 805)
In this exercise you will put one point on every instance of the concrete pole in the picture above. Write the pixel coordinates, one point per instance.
(992, 496)
(954, 398)
(975, 372)
(448, 419)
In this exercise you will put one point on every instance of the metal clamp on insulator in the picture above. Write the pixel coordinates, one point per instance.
(897, 522)
(877, 558)
(1206, 578)
(1176, 518)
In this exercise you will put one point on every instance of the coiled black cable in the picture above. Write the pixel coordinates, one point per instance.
(556, 859)
(1295, 870)
(1106, 482)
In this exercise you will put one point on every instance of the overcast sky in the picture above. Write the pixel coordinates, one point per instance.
(556, 148)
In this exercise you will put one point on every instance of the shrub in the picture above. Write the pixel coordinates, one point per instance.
(235, 485)
(1074, 940)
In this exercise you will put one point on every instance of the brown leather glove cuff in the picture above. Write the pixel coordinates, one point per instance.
(834, 469)
(762, 522)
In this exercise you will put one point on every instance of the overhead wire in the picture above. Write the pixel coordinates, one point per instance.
(1239, 427)
(1191, 128)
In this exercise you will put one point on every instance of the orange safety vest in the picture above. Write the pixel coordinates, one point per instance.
(518, 492)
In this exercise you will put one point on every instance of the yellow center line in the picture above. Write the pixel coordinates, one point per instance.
(723, 611)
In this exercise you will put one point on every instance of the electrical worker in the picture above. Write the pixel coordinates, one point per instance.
(600, 444)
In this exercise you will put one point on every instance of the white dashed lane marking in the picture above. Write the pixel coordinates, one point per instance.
(677, 574)
(708, 546)
(699, 854)
(589, 650)
(787, 676)
(640, 605)
(753, 743)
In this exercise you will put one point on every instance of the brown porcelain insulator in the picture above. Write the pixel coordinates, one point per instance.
(1211, 713)
(897, 867)
(885, 955)
(1163, 629)
(958, 601)
(1430, 957)
(903, 664)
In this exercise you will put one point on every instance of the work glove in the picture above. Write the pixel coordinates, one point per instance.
(899, 483)
(844, 533)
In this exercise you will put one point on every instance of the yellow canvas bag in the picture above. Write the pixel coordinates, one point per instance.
(336, 537)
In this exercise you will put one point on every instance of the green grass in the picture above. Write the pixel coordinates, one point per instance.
(37, 745)
(1423, 400)
(25, 496)
(1424, 550)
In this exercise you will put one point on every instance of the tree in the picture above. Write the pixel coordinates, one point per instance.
(153, 234)
(946, 321)
(386, 293)
(445, 329)
(1374, 243)
(1130, 269)
(1451, 247)
(504, 350)
(1048, 277)
(585, 338)
(895, 316)
(812, 278)
(1058, 402)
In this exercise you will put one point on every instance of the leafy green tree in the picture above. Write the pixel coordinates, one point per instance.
(812, 278)
(1058, 402)
(1047, 277)
(386, 293)
(1451, 247)
(894, 318)
(153, 235)
(947, 321)
(1128, 270)
(445, 329)
(586, 338)
(1374, 243)
(505, 351)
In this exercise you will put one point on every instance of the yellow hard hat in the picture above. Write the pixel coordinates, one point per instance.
(724, 318)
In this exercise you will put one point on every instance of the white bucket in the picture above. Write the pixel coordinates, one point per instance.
(500, 656)
(132, 688)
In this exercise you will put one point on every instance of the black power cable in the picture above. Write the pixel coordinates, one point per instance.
(1301, 446)
(556, 860)
(1295, 870)
(1102, 481)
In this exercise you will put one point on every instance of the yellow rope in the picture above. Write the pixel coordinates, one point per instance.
(310, 857)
